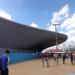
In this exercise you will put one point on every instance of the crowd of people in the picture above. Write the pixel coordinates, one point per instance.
(4, 61)
(66, 55)
(45, 58)
(70, 55)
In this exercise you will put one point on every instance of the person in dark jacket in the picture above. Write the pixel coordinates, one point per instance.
(0, 65)
(1, 60)
(71, 57)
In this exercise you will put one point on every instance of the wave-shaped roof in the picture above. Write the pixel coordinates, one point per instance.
(22, 37)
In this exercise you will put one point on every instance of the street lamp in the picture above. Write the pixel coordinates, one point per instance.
(56, 40)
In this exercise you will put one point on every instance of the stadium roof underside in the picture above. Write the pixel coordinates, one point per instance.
(22, 37)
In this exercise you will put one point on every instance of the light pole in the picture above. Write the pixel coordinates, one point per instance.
(56, 40)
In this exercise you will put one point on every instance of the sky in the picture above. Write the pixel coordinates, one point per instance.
(42, 14)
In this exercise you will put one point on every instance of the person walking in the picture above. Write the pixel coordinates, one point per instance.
(55, 56)
(64, 57)
(1, 60)
(45, 59)
(74, 58)
(5, 62)
(0, 65)
(71, 57)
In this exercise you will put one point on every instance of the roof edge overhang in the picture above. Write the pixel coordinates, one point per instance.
(23, 37)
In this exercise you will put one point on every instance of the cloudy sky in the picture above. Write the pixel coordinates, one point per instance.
(42, 14)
